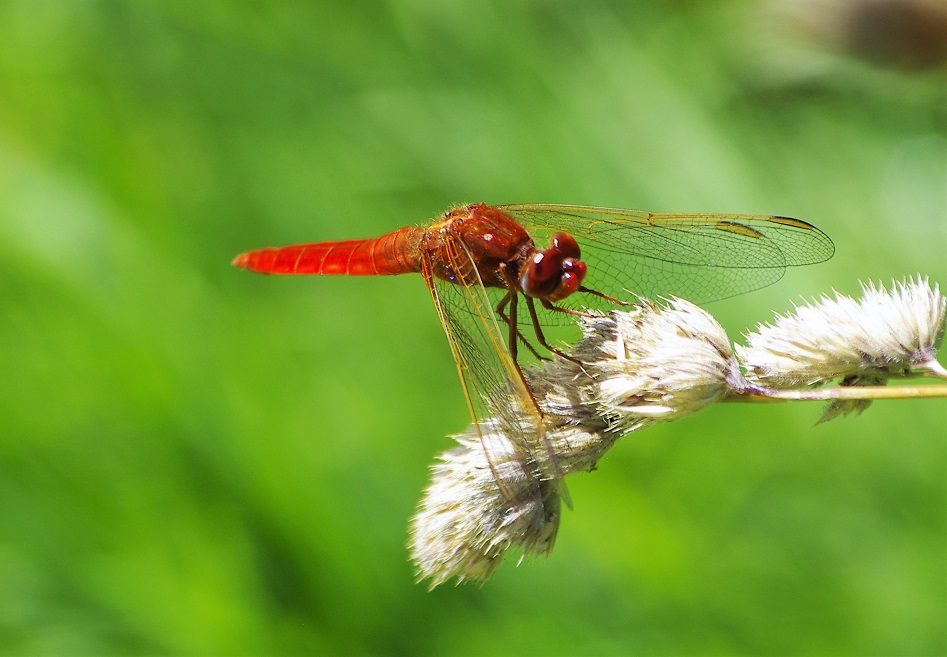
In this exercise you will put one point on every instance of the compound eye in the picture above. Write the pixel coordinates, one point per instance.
(541, 274)
(573, 273)
(545, 266)
(565, 244)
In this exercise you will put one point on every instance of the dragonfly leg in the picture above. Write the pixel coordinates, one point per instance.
(602, 295)
(549, 305)
(511, 299)
(541, 339)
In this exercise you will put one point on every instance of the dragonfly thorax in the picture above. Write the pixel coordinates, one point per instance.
(504, 255)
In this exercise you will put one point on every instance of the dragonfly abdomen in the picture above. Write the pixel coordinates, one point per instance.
(394, 253)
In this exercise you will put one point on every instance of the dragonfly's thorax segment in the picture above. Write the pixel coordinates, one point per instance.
(502, 253)
(477, 239)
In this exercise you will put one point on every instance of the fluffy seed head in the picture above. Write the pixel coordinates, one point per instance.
(650, 364)
(883, 333)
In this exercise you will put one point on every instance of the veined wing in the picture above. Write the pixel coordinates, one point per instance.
(700, 257)
(492, 383)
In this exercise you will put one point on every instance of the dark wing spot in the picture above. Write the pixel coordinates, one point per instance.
(738, 229)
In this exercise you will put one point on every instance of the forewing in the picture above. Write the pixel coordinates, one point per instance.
(491, 381)
(700, 257)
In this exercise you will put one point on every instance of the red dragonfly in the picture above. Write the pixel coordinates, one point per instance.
(480, 261)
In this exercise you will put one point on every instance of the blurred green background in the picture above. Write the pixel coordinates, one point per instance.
(195, 460)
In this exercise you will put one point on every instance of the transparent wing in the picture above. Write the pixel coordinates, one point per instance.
(492, 383)
(700, 257)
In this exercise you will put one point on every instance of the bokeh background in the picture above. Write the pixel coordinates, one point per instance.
(196, 460)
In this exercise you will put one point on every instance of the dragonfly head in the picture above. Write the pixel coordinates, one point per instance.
(556, 272)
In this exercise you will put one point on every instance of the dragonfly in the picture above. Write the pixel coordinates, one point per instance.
(499, 273)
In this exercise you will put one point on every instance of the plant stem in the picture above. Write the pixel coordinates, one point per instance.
(763, 395)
